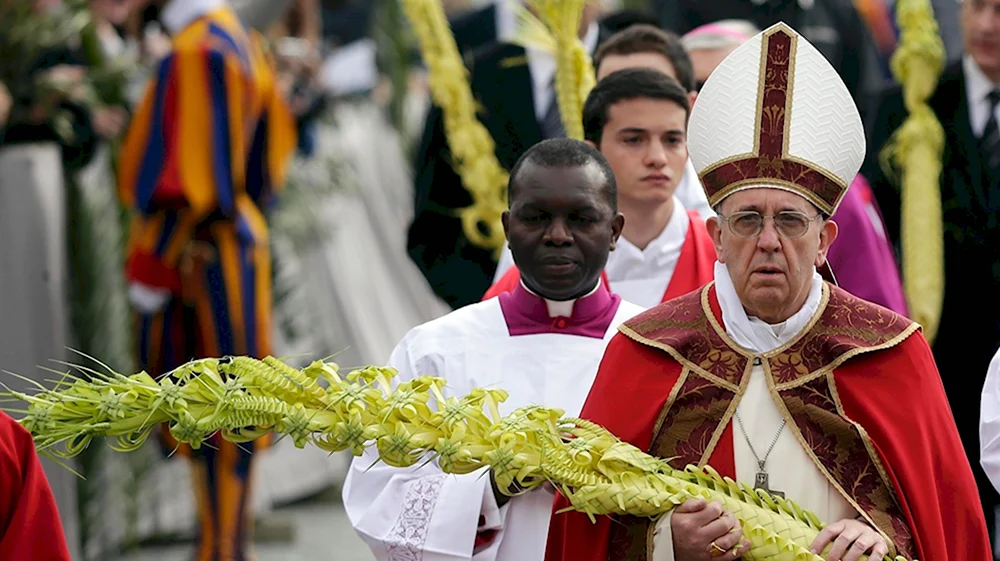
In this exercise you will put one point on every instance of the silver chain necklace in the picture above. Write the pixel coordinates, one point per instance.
(761, 479)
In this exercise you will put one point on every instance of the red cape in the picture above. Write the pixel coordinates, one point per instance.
(920, 452)
(29, 521)
(695, 267)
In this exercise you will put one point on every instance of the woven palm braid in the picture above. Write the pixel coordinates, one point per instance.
(245, 398)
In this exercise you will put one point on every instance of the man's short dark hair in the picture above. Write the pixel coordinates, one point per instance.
(625, 85)
(650, 39)
(621, 20)
(565, 152)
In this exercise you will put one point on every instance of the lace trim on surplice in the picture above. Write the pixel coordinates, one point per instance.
(408, 536)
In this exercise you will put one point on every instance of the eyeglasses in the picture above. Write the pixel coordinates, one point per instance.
(750, 223)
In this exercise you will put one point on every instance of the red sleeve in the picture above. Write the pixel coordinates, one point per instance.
(631, 388)
(921, 451)
(28, 516)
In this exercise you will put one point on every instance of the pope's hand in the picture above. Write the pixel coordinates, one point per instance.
(851, 539)
(703, 531)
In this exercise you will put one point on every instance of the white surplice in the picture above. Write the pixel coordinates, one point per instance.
(989, 423)
(789, 468)
(423, 513)
(639, 276)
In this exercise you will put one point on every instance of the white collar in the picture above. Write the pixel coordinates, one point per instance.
(560, 308)
(506, 19)
(542, 63)
(977, 83)
(752, 333)
(178, 14)
(668, 242)
(977, 88)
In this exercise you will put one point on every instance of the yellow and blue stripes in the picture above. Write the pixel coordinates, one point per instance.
(207, 150)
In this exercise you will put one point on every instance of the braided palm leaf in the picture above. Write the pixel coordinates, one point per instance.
(916, 149)
(245, 398)
(471, 146)
(556, 30)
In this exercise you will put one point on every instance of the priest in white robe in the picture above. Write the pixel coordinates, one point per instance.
(989, 423)
(770, 375)
(541, 343)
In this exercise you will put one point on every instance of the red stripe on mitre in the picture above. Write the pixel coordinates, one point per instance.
(772, 165)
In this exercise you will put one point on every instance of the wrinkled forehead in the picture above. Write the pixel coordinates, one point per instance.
(766, 200)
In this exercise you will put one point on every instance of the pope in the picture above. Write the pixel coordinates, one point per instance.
(770, 374)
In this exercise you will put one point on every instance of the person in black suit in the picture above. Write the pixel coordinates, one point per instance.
(514, 90)
(969, 332)
(479, 27)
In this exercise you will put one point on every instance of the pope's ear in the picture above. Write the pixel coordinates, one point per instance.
(714, 227)
(592, 145)
(826, 238)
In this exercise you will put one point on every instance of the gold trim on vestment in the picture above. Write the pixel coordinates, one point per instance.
(728, 416)
(870, 446)
(694, 368)
(790, 421)
(670, 399)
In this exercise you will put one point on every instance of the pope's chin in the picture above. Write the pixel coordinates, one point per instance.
(769, 295)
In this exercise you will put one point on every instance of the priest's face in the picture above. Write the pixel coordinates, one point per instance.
(560, 227)
(771, 271)
(645, 141)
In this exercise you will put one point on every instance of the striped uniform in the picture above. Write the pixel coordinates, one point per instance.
(206, 152)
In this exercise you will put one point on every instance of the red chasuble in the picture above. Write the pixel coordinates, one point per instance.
(29, 522)
(695, 266)
(859, 386)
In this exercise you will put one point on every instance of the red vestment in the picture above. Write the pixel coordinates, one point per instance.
(695, 266)
(860, 386)
(29, 522)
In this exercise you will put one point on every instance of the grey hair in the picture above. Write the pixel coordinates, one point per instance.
(710, 40)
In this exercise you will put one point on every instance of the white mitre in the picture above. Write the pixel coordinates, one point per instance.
(776, 114)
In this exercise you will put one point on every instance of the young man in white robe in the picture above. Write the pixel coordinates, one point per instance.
(637, 118)
(541, 343)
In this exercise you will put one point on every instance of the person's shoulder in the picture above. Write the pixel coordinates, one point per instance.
(481, 318)
(14, 442)
(474, 19)
(627, 310)
(855, 327)
(685, 305)
(494, 56)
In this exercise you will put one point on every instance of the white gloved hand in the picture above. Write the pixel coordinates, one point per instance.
(147, 299)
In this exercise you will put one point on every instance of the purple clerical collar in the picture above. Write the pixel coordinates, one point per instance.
(527, 313)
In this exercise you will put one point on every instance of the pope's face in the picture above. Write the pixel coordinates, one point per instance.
(772, 273)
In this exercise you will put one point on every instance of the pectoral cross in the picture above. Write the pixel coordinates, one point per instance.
(760, 482)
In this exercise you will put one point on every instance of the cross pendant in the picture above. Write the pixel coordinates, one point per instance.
(760, 482)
